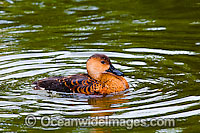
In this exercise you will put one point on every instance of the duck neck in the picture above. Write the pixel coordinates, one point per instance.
(94, 75)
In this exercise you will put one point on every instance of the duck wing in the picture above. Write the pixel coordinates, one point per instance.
(79, 83)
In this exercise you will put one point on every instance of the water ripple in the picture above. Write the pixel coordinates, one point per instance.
(161, 51)
(159, 55)
(154, 111)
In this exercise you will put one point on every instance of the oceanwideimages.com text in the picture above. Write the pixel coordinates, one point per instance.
(47, 121)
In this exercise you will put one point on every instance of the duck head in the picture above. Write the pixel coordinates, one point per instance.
(98, 64)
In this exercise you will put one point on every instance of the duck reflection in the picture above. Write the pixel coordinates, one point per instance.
(101, 104)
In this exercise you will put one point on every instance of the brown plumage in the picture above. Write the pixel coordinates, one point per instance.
(102, 78)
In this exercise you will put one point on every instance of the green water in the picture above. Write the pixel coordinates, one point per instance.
(156, 43)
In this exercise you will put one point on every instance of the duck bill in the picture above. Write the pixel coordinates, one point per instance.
(113, 70)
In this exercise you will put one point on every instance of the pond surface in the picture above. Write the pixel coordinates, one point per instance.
(155, 43)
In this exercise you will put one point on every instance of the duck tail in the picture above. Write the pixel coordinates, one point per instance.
(51, 83)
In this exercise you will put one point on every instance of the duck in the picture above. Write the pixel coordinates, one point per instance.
(102, 78)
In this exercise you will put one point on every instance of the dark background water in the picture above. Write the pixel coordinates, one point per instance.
(156, 43)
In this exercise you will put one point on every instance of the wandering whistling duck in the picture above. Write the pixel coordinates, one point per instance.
(102, 78)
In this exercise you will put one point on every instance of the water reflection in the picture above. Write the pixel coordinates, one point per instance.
(107, 103)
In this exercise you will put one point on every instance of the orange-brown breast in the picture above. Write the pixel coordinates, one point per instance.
(113, 83)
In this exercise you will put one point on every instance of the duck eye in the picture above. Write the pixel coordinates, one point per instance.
(103, 62)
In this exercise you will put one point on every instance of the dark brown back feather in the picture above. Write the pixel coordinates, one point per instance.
(81, 83)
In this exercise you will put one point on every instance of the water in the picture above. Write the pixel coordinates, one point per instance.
(155, 43)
